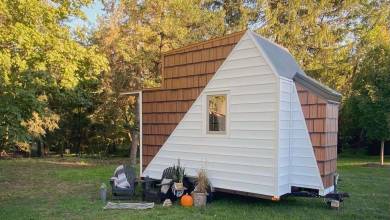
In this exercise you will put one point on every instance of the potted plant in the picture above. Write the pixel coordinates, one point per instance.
(179, 172)
(200, 192)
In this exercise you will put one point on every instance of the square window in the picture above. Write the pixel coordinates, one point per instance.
(216, 114)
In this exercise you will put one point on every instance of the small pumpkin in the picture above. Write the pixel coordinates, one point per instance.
(186, 200)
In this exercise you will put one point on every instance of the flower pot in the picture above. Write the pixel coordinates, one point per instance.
(200, 199)
(178, 189)
(179, 186)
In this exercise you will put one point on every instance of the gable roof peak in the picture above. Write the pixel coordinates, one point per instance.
(284, 64)
(268, 40)
(279, 58)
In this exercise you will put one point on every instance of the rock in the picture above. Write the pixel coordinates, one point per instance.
(167, 203)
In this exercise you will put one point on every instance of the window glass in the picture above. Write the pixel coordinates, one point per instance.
(216, 113)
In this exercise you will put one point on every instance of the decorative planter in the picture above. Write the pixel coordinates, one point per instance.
(200, 199)
(179, 186)
(178, 189)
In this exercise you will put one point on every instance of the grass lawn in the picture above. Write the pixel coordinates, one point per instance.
(68, 189)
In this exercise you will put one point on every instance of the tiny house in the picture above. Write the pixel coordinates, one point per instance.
(240, 107)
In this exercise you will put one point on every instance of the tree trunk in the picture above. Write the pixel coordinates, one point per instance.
(40, 150)
(4, 139)
(61, 149)
(382, 152)
(134, 135)
(134, 148)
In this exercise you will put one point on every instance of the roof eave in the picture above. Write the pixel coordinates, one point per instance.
(318, 88)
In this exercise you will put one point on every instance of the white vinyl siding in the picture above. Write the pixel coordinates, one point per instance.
(285, 124)
(297, 163)
(303, 165)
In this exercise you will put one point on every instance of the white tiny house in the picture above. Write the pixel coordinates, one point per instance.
(247, 125)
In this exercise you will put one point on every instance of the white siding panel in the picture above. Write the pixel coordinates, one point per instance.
(223, 141)
(303, 180)
(186, 132)
(196, 109)
(283, 116)
(243, 63)
(250, 89)
(284, 153)
(255, 134)
(245, 44)
(193, 166)
(205, 160)
(246, 71)
(245, 53)
(253, 116)
(297, 164)
(193, 117)
(298, 132)
(216, 158)
(247, 178)
(192, 125)
(243, 81)
(303, 170)
(244, 187)
(284, 133)
(284, 123)
(254, 98)
(253, 107)
(222, 150)
(285, 107)
(284, 136)
(251, 125)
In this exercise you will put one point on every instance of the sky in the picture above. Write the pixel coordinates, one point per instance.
(92, 12)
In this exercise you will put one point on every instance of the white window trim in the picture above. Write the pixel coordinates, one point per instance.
(205, 111)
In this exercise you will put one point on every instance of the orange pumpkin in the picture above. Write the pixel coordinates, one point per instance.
(186, 200)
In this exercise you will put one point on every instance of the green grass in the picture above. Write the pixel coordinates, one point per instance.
(68, 189)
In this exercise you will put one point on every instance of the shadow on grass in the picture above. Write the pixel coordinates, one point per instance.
(377, 165)
(291, 201)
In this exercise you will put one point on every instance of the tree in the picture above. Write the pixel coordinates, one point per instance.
(237, 15)
(133, 35)
(372, 95)
(329, 39)
(315, 32)
(370, 29)
(39, 61)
